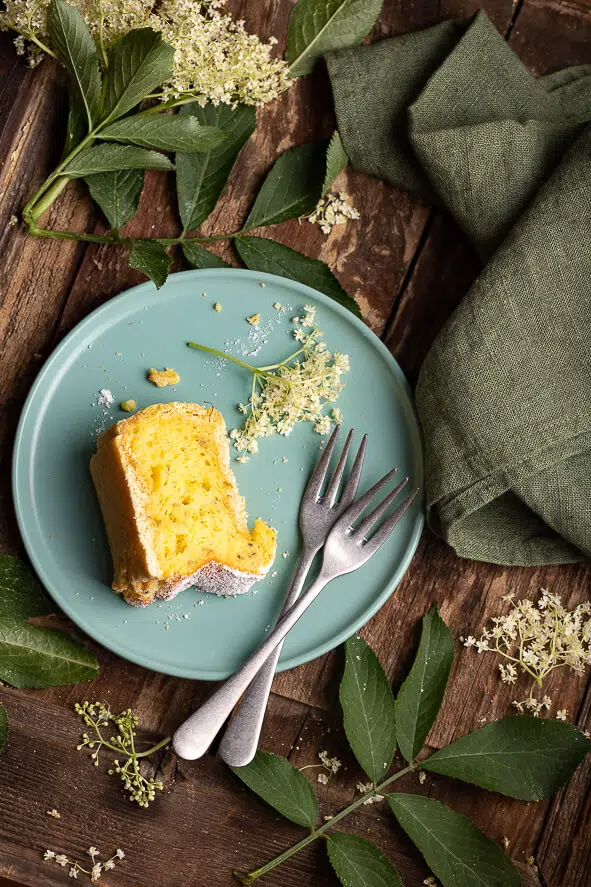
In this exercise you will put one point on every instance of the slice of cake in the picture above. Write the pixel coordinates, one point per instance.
(171, 506)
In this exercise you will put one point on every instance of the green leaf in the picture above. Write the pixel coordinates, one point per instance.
(151, 258)
(40, 657)
(421, 695)
(77, 125)
(117, 193)
(106, 158)
(139, 62)
(3, 726)
(292, 188)
(164, 132)
(260, 254)
(75, 48)
(282, 786)
(358, 863)
(198, 257)
(457, 852)
(526, 758)
(368, 709)
(319, 26)
(336, 161)
(21, 596)
(201, 177)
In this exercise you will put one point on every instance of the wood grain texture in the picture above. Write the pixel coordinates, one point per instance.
(408, 266)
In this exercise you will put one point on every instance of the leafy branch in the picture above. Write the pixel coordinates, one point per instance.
(112, 139)
(522, 757)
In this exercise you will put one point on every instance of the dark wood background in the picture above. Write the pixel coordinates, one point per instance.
(408, 266)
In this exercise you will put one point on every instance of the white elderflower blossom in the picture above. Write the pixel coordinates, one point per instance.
(364, 788)
(296, 390)
(535, 639)
(333, 209)
(97, 868)
(215, 58)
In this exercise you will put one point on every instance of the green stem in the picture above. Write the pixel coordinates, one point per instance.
(155, 748)
(41, 45)
(225, 356)
(318, 833)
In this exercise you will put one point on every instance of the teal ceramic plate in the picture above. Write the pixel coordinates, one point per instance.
(199, 635)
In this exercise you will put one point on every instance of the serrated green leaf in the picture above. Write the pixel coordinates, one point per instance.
(198, 257)
(106, 158)
(75, 48)
(421, 694)
(282, 786)
(3, 726)
(458, 853)
(21, 596)
(368, 709)
(41, 657)
(151, 258)
(164, 132)
(336, 161)
(292, 188)
(359, 863)
(139, 62)
(260, 254)
(524, 757)
(319, 26)
(117, 193)
(201, 178)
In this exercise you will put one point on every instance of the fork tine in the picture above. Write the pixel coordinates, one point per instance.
(350, 490)
(357, 508)
(320, 472)
(368, 522)
(380, 536)
(335, 481)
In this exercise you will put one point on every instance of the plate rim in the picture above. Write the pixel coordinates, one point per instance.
(20, 481)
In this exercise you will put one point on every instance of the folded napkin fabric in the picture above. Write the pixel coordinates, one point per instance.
(504, 395)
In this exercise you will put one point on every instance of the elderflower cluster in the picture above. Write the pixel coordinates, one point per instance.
(296, 390)
(107, 20)
(328, 764)
(97, 868)
(215, 58)
(97, 716)
(331, 210)
(535, 639)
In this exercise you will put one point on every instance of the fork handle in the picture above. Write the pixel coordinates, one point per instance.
(192, 739)
(240, 741)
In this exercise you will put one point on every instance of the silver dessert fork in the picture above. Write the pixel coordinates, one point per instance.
(318, 514)
(347, 548)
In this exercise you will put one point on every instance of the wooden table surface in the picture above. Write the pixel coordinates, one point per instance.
(408, 266)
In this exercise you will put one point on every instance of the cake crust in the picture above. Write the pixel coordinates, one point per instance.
(139, 575)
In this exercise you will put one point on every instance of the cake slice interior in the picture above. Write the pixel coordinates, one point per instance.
(171, 506)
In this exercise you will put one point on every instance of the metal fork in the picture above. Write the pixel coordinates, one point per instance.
(347, 548)
(318, 514)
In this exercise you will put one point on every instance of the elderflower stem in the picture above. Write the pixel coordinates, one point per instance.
(257, 371)
(30, 35)
(320, 832)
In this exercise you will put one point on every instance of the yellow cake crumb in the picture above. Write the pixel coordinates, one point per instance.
(254, 319)
(162, 378)
(128, 406)
(217, 306)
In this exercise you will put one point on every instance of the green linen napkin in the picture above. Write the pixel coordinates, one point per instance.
(504, 395)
